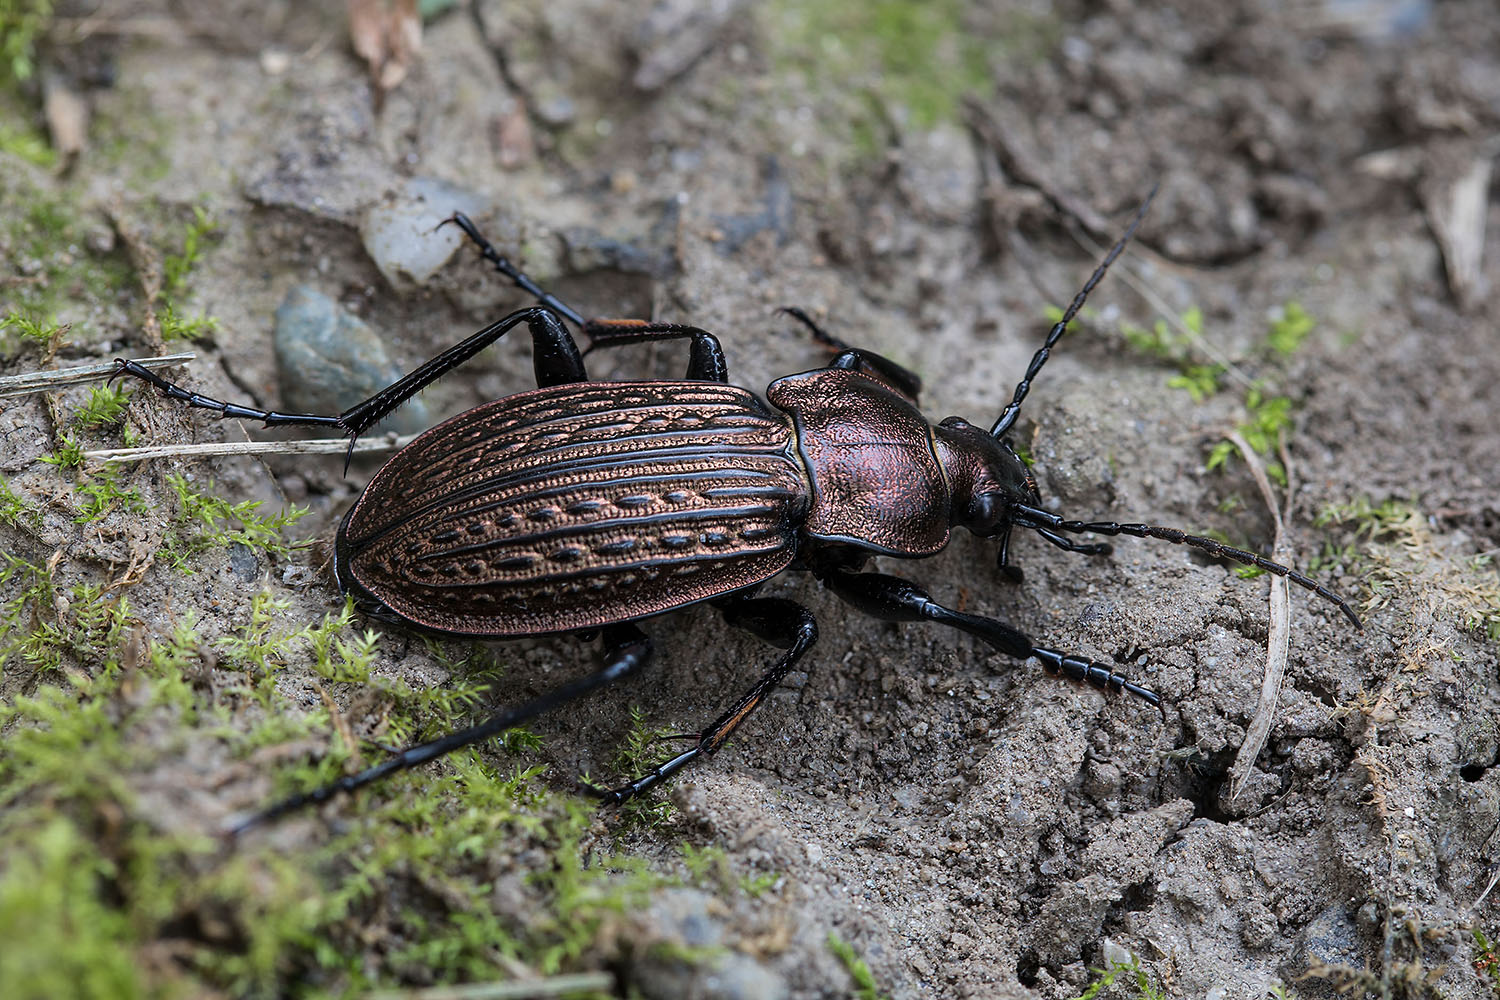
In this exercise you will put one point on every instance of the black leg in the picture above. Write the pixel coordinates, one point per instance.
(1038, 519)
(905, 381)
(780, 622)
(515, 274)
(172, 390)
(1011, 573)
(1068, 545)
(626, 649)
(896, 600)
(555, 356)
(705, 364)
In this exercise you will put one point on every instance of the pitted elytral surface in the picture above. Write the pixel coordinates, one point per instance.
(580, 505)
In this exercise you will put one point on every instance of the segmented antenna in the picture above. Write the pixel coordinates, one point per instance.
(1038, 519)
(1012, 411)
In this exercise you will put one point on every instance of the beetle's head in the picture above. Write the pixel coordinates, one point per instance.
(985, 475)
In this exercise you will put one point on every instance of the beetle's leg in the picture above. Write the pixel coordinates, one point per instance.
(781, 623)
(1011, 573)
(896, 600)
(555, 354)
(272, 418)
(1068, 545)
(705, 364)
(626, 649)
(515, 274)
(905, 381)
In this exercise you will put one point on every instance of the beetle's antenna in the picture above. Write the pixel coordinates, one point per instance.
(1008, 417)
(1041, 520)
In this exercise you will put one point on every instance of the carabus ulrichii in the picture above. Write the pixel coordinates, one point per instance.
(585, 506)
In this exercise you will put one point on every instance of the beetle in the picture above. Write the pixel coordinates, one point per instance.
(583, 507)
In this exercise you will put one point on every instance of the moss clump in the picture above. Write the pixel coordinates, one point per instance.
(108, 870)
(921, 56)
(22, 23)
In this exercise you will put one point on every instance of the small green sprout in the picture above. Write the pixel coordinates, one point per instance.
(1290, 328)
(17, 512)
(859, 972)
(103, 494)
(175, 271)
(105, 408)
(22, 22)
(31, 327)
(1200, 381)
(176, 327)
(69, 453)
(177, 267)
(1145, 989)
(645, 748)
(206, 516)
(1269, 416)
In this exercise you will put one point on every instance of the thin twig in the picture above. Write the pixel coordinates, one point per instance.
(1494, 878)
(1278, 639)
(27, 383)
(318, 446)
(553, 986)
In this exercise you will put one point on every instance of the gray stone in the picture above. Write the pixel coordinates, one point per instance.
(328, 360)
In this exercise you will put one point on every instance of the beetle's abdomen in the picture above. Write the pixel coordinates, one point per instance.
(876, 479)
(576, 506)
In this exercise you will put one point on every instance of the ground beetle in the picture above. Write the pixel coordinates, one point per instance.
(582, 507)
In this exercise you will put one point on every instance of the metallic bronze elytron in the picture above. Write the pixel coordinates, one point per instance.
(577, 506)
(585, 507)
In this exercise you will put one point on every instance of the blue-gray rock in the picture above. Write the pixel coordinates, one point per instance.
(328, 360)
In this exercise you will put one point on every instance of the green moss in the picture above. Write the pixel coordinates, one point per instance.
(205, 522)
(645, 748)
(15, 511)
(861, 978)
(1268, 417)
(1267, 414)
(19, 136)
(62, 939)
(919, 55)
(130, 138)
(64, 280)
(1127, 974)
(1289, 329)
(105, 408)
(102, 884)
(868, 71)
(22, 23)
(69, 453)
(103, 494)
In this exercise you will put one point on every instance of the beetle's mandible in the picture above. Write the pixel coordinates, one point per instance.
(583, 506)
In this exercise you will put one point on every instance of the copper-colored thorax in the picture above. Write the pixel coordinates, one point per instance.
(876, 479)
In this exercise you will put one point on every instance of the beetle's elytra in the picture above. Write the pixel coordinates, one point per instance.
(584, 506)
